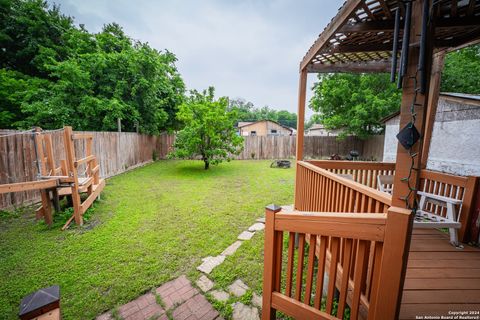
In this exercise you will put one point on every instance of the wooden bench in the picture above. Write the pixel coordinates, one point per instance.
(385, 183)
(425, 219)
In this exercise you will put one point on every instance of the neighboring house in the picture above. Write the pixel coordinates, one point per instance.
(263, 128)
(455, 144)
(320, 130)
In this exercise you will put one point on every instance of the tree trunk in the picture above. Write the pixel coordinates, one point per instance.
(207, 164)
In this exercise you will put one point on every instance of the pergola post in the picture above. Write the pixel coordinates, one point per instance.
(404, 160)
(407, 173)
(434, 92)
(302, 94)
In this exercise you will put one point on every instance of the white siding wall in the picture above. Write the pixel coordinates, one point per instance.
(455, 145)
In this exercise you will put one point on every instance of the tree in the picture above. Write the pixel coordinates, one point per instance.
(54, 73)
(462, 71)
(354, 103)
(209, 130)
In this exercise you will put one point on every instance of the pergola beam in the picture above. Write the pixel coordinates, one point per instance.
(360, 48)
(340, 19)
(387, 25)
(459, 41)
(351, 67)
(438, 44)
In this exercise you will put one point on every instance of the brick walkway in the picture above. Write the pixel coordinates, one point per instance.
(179, 297)
(179, 300)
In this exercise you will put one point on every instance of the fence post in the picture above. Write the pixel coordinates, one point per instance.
(269, 265)
(396, 245)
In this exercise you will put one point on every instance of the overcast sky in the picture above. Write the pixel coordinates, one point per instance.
(249, 49)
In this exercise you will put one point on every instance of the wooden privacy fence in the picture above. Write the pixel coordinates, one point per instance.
(278, 147)
(116, 153)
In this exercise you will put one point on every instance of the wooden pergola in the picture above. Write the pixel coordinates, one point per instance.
(360, 236)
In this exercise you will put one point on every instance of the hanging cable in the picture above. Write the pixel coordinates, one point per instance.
(15, 133)
(53, 130)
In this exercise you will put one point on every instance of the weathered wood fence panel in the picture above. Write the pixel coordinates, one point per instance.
(317, 147)
(116, 153)
(119, 152)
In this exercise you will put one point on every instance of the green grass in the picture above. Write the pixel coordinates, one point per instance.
(151, 225)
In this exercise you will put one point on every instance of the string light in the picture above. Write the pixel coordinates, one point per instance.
(413, 155)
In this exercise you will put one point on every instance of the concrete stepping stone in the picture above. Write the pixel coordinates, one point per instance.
(257, 300)
(176, 291)
(232, 248)
(204, 283)
(256, 227)
(221, 296)
(238, 288)
(261, 220)
(105, 316)
(246, 235)
(209, 263)
(243, 312)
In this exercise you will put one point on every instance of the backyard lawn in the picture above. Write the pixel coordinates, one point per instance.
(151, 225)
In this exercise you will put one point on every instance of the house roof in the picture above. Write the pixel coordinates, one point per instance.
(360, 37)
(245, 124)
(390, 116)
(463, 96)
(317, 126)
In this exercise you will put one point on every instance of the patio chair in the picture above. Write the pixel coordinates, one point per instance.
(434, 219)
(385, 183)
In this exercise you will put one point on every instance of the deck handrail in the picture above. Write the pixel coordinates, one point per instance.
(346, 164)
(317, 189)
(373, 193)
(354, 251)
(365, 174)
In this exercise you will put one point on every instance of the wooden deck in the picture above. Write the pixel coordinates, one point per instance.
(440, 278)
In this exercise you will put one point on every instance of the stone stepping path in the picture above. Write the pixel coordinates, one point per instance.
(209, 263)
(245, 235)
(220, 295)
(204, 283)
(181, 301)
(232, 248)
(243, 312)
(237, 288)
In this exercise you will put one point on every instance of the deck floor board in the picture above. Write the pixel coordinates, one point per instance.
(440, 278)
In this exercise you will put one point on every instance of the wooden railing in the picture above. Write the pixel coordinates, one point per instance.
(354, 255)
(364, 172)
(318, 189)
